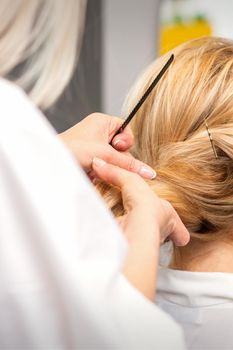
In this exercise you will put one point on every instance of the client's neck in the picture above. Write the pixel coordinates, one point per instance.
(212, 256)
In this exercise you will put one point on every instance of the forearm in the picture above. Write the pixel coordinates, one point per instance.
(141, 265)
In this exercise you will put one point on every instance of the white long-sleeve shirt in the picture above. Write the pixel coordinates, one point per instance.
(60, 250)
(202, 303)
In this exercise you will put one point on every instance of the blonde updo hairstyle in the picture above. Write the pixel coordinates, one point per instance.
(171, 135)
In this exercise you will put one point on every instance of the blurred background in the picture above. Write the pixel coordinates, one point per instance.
(121, 38)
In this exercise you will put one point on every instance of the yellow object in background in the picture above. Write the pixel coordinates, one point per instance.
(174, 34)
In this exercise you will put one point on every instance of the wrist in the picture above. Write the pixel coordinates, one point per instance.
(142, 232)
(140, 267)
(141, 263)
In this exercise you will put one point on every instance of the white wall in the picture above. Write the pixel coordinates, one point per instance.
(130, 29)
(129, 45)
(219, 12)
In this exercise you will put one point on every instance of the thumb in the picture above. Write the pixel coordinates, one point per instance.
(123, 141)
(178, 232)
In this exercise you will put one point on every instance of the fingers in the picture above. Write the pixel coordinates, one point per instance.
(129, 163)
(164, 215)
(124, 140)
(180, 235)
(111, 174)
(176, 232)
(125, 180)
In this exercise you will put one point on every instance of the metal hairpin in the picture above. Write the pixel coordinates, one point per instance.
(211, 139)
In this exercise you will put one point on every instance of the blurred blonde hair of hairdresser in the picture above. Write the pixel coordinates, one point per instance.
(44, 36)
(171, 136)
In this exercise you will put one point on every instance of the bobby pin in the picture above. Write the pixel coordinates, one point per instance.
(211, 139)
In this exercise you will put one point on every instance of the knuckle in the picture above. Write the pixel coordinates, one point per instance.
(131, 164)
(94, 116)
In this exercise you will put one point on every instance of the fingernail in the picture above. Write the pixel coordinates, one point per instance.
(147, 173)
(118, 143)
(98, 162)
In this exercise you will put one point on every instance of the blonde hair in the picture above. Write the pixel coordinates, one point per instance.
(44, 36)
(171, 135)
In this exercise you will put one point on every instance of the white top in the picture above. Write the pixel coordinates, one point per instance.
(202, 303)
(61, 252)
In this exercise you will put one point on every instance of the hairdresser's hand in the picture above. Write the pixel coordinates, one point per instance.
(144, 209)
(148, 222)
(90, 138)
